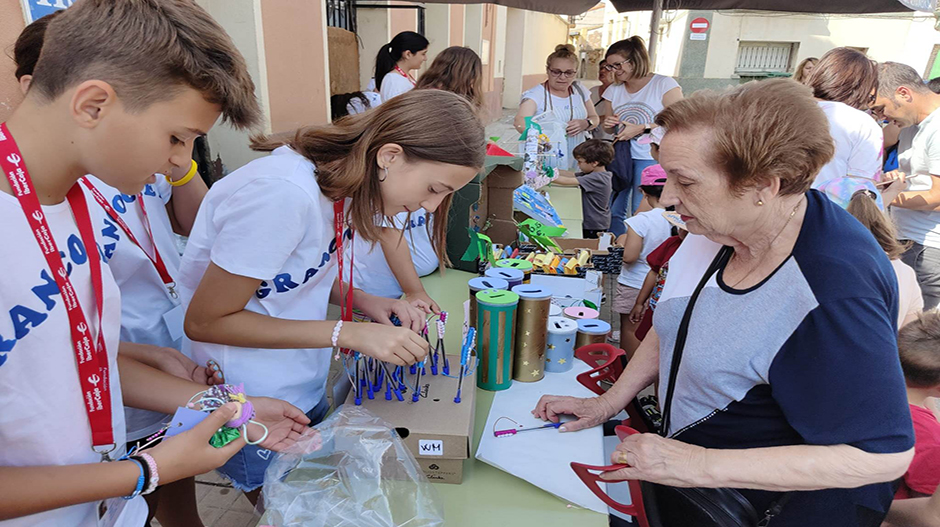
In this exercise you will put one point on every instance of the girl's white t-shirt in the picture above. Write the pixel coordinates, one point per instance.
(355, 105)
(372, 273)
(269, 221)
(393, 84)
(640, 107)
(43, 421)
(654, 228)
(859, 144)
(147, 309)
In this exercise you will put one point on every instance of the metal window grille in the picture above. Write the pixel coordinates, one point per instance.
(341, 14)
(755, 57)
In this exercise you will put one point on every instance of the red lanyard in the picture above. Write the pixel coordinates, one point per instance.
(339, 220)
(156, 260)
(92, 359)
(405, 75)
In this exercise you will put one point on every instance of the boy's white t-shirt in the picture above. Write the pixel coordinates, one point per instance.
(654, 228)
(859, 144)
(372, 273)
(147, 309)
(269, 221)
(919, 157)
(640, 107)
(393, 84)
(43, 421)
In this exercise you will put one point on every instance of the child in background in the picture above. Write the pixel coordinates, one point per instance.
(645, 232)
(404, 254)
(658, 261)
(262, 261)
(151, 316)
(594, 179)
(863, 206)
(919, 348)
(96, 106)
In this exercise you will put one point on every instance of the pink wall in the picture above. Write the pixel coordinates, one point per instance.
(529, 81)
(402, 19)
(456, 24)
(295, 55)
(11, 23)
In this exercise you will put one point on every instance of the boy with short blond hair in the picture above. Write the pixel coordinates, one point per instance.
(120, 90)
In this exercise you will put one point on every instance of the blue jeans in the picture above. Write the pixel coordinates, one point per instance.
(246, 468)
(628, 197)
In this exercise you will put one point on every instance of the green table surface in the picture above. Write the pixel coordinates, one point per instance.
(489, 496)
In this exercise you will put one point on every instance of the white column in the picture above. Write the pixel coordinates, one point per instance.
(515, 43)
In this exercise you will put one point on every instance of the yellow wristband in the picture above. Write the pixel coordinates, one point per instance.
(185, 179)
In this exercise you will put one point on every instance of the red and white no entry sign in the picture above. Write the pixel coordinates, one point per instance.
(699, 25)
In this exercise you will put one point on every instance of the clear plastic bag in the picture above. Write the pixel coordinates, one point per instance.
(355, 472)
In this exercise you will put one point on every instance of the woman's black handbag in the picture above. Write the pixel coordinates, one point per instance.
(701, 507)
(621, 167)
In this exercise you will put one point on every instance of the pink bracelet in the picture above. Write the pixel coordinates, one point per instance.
(154, 475)
(335, 338)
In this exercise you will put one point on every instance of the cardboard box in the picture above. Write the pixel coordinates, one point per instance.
(438, 431)
(502, 232)
(498, 186)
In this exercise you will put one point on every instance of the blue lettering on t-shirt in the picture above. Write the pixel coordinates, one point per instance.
(25, 318)
(149, 190)
(284, 282)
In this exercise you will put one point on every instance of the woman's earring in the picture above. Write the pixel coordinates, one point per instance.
(386, 174)
(760, 202)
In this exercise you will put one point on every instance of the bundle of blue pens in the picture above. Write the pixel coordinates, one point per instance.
(368, 375)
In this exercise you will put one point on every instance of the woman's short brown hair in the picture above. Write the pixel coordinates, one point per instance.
(758, 130)
(634, 50)
(845, 75)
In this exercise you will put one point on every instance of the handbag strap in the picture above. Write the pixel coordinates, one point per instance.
(720, 259)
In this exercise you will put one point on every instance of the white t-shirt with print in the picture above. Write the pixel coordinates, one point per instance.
(393, 83)
(269, 221)
(43, 421)
(580, 97)
(653, 227)
(144, 298)
(859, 144)
(919, 157)
(640, 107)
(372, 273)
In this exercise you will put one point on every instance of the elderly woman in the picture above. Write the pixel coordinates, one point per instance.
(785, 376)
(562, 95)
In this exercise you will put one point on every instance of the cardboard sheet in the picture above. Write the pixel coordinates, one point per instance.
(542, 457)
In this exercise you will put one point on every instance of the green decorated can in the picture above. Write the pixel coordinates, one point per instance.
(496, 313)
(517, 263)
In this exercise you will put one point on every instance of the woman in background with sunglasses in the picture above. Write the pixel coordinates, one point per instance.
(567, 99)
(635, 99)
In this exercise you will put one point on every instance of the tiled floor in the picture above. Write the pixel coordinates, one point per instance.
(220, 505)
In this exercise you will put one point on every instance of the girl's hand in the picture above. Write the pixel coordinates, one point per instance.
(179, 365)
(396, 345)
(426, 299)
(636, 314)
(590, 411)
(285, 422)
(412, 315)
(190, 453)
(630, 131)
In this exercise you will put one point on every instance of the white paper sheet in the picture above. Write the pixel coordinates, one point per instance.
(542, 457)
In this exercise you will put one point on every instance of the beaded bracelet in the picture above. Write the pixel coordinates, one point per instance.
(140, 480)
(335, 338)
(154, 480)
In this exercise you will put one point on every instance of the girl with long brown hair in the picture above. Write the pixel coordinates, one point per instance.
(261, 264)
(405, 252)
